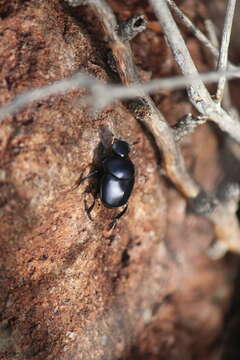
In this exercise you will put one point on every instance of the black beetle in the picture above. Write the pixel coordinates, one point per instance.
(115, 177)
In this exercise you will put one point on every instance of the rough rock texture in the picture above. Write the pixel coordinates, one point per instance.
(70, 288)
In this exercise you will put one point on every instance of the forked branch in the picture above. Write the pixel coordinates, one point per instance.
(197, 92)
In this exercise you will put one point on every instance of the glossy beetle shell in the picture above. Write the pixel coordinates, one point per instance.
(115, 192)
(117, 179)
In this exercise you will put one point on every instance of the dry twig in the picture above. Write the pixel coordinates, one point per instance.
(210, 45)
(226, 101)
(223, 56)
(78, 80)
(101, 94)
(197, 92)
(186, 125)
(212, 34)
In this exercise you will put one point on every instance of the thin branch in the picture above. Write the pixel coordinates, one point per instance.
(101, 94)
(58, 87)
(194, 30)
(197, 33)
(223, 56)
(212, 46)
(197, 91)
(211, 30)
(118, 92)
(226, 101)
(186, 125)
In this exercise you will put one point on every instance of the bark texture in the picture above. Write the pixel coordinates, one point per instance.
(69, 287)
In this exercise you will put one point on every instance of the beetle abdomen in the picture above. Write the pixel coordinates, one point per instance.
(115, 192)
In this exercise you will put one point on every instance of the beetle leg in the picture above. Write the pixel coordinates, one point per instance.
(80, 180)
(87, 208)
(90, 175)
(117, 217)
(91, 190)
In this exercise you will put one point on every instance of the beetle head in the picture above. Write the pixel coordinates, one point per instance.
(121, 148)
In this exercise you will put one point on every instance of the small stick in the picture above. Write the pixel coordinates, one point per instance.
(197, 92)
(223, 56)
(195, 31)
(102, 94)
(186, 125)
(210, 45)
(211, 30)
(226, 101)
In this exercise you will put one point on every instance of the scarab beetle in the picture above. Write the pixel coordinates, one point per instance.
(117, 177)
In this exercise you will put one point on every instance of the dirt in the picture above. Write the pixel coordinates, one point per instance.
(70, 288)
